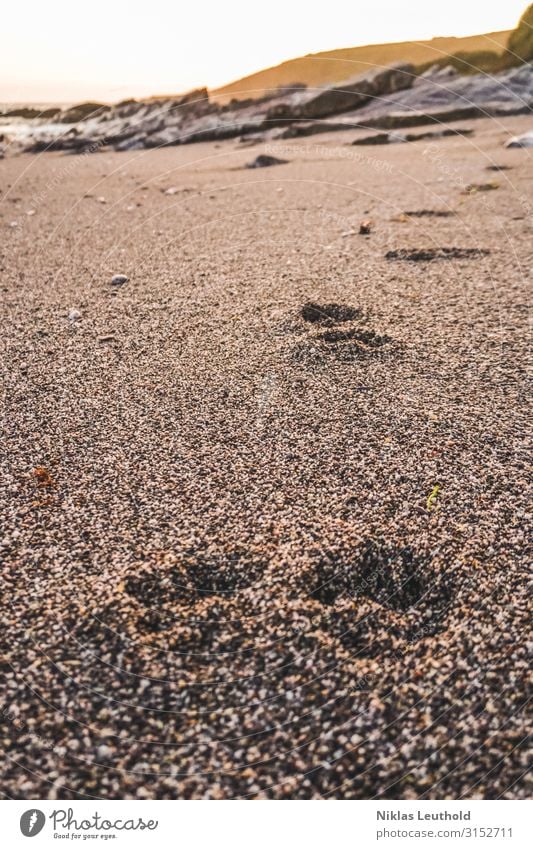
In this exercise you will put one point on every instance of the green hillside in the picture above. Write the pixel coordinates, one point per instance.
(521, 39)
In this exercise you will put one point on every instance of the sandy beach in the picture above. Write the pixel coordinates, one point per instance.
(265, 502)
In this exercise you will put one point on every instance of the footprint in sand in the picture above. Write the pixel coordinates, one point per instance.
(325, 340)
(195, 577)
(431, 254)
(382, 588)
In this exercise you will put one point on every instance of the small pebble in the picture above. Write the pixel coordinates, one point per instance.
(119, 279)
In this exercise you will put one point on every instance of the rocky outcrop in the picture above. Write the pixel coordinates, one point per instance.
(352, 94)
(81, 112)
(385, 99)
(439, 96)
(29, 113)
(444, 96)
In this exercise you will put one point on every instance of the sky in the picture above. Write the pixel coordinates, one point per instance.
(111, 49)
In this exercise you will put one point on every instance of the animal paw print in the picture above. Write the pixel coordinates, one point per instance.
(335, 333)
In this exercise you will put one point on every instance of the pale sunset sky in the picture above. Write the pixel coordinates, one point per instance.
(111, 49)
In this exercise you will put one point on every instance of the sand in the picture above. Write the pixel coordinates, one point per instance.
(257, 544)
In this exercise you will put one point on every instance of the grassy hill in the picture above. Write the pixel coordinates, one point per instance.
(335, 65)
(521, 39)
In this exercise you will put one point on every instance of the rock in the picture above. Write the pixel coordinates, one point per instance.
(379, 138)
(74, 315)
(525, 140)
(29, 114)
(474, 188)
(251, 140)
(129, 144)
(439, 134)
(81, 112)
(166, 137)
(104, 752)
(265, 161)
(365, 228)
(384, 99)
(399, 138)
(119, 279)
(196, 101)
(311, 128)
(445, 96)
(352, 94)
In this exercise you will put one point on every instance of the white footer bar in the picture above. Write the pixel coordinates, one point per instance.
(267, 825)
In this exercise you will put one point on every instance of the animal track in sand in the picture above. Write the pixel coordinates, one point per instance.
(370, 601)
(429, 213)
(365, 629)
(194, 578)
(431, 254)
(399, 588)
(365, 339)
(329, 314)
(379, 598)
(392, 577)
(344, 344)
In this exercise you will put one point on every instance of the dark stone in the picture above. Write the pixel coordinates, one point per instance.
(395, 138)
(81, 112)
(264, 161)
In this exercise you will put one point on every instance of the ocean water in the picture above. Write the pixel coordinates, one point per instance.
(23, 128)
(16, 129)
